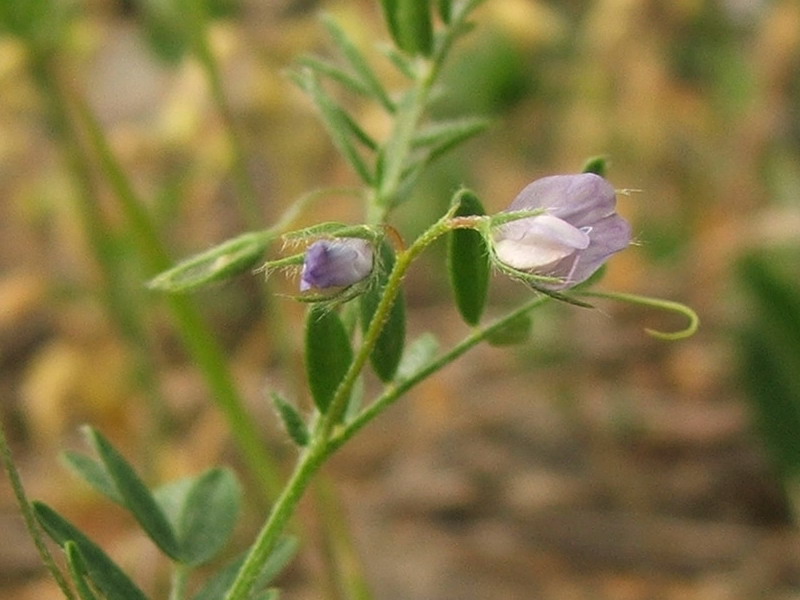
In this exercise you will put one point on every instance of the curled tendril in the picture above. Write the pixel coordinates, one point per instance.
(665, 305)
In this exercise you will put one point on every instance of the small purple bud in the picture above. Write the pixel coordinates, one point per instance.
(336, 263)
(577, 232)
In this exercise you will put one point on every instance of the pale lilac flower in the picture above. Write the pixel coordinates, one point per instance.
(577, 231)
(336, 263)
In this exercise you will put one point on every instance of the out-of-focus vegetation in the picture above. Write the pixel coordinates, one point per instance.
(696, 103)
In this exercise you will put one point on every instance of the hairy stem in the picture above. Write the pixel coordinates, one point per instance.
(30, 520)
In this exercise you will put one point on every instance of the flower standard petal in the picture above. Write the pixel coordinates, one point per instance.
(578, 199)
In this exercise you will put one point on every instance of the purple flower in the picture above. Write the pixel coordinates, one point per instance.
(577, 231)
(336, 263)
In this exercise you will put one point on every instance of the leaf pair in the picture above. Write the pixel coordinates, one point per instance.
(189, 520)
(88, 562)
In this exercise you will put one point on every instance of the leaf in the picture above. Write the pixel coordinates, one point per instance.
(41, 23)
(328, 354)
(336, 121)
(516, 331)
(336, 73)
(770, 355)
(171, 497)
(221, 262)
(208, 515)
(777, 300)
(418, 354)
(445, 10)
(358, 63)
(283, 553)
(165, 30)
(78, 571)
(410, 24)
(332, 71)
(94, 473)
(216, 587)
(402, 62)
(597, 165)
(446, 134)
(136, 496)
(468, 262)
(106, 574)
(292, 421)
(440, 138)
(772, 386)
(320, 229)
(385, 356)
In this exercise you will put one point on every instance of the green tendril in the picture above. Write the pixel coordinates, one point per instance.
(665, 305)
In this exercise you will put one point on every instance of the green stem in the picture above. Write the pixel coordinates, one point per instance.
(30, 520)
(283, 509)
(122, 302)
(241, 177)
(180, 579)
(347, 577)
(402, 263)
(398, 147)
(659, 303)
(322, 448)
(395, 391)
(396, 150)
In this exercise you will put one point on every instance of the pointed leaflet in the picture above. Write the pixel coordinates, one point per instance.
(388, 350)
(328, 354)
(136, 496)
(105, 573)
(468, 262)
(292, 421)
(220, 262)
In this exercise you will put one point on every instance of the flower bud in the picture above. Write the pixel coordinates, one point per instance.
(337, 262)
(577, 231)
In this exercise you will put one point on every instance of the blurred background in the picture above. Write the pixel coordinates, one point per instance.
(590, 462)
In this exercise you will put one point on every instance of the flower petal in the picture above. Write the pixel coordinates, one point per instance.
(335, 263)
(578, 199)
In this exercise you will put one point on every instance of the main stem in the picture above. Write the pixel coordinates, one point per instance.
(283, 509)
(319, 450)
(325, 440)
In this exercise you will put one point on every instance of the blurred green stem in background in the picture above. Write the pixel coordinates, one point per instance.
(32, 525)
(125, 305)
(197, 21)
(195, 333)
